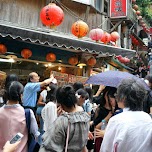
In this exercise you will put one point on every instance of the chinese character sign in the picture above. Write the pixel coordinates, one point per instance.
(118, 8)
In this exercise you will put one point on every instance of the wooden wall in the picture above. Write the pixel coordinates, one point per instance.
(26, 13)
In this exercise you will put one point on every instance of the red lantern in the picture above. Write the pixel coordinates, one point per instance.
(138, 12)
(26, 53)
(73, 60)
(120, 58)
(114, 36)
(106, 38)
(143, 25)
(140, 18)
(91, 62)
(50, 57)
(80, 29)
(3, 49)
(51, 15)
(96, 34)
(135, 7)
(126, 60)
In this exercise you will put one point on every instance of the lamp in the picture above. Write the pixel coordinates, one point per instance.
(11, 60)
(81, 64)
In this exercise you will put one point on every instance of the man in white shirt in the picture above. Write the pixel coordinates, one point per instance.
(131, 130)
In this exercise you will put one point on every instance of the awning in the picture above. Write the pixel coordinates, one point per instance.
(114, 62)
(61, 40)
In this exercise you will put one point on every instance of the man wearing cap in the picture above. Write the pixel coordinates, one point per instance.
(31, 88)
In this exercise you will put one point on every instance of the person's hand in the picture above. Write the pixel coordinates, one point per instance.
(90, 136)
(99, 133)
(91, 123)
(10, 147)
(59, 111)
(49, 80)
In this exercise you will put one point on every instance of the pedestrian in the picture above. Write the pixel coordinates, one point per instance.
(31, 88)
(13, 120)
(9, 79)
(131, 130)
(147, 105)
(70, 129)
(104, 111)
(49, 112)
(77, 86)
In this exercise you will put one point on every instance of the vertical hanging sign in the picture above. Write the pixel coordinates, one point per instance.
(118, 8)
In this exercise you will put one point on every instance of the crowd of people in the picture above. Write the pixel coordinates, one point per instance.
(70, 118)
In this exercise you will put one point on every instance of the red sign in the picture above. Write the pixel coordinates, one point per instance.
(118, 8)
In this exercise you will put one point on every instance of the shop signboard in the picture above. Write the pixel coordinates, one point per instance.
(118, 9)
(81, 79)
(63, 78)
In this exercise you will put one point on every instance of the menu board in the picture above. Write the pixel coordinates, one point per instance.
(81, 79)
(118, 8)
(63, 78)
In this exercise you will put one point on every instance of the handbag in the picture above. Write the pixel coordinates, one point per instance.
(33, 145)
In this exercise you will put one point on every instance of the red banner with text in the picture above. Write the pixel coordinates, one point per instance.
(118, 8)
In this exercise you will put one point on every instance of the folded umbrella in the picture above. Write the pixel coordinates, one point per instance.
(113, 78)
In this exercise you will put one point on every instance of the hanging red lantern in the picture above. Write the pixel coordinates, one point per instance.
(96, 34)
(50, 57)
(114, 36)
(73, 60)
(138, 13)
(135, 7)
(140, 18)
(126, 60)
(26, 53)
(80, 29)
(51, 15)
(91, 62)
(3, 49)
(143, 25)
(106, 38)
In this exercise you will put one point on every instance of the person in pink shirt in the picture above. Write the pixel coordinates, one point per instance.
(13, 120)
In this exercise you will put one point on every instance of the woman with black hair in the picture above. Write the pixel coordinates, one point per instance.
(12, 118)
(44, 98)
(9, 79)
(131, 130)
(49, 112)
(70, 129)
(105, 111)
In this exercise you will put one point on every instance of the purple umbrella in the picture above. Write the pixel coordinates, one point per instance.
(113, 78)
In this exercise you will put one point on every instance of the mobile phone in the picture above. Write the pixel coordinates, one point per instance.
(16, 138)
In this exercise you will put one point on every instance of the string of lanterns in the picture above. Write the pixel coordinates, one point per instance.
(52, 15)
(140, 18)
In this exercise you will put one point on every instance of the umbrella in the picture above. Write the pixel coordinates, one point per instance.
(113, 78)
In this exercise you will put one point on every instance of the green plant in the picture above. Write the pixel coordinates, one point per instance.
(146, 9)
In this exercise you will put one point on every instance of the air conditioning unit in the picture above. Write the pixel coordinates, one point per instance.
(87, 2)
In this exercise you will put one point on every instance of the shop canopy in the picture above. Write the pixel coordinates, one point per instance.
(59, 40)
